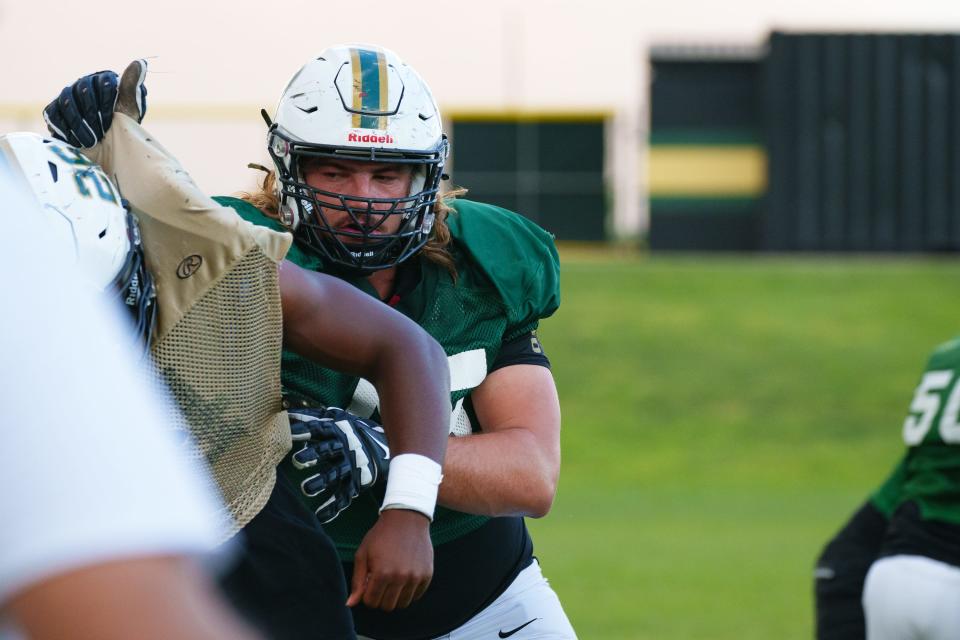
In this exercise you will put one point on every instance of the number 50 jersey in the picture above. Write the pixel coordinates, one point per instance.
(931, 430)
(508, 278)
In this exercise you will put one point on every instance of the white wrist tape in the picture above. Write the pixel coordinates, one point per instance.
(412, 484)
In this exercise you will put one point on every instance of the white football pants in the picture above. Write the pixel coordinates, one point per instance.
(529, 609)
(912, 598)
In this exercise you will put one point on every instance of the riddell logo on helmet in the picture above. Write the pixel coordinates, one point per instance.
(355, 136)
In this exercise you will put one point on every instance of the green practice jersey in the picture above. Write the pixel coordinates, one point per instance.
(508, 279)
(929, 474)
(888, 497)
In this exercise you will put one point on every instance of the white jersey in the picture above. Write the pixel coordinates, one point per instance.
(88, 470)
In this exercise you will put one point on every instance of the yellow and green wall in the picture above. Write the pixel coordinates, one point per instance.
(706, 168)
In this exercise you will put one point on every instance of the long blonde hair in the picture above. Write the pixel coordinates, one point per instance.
(436, 249)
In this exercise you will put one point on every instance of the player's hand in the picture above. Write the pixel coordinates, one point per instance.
(326, 478)
(367, 443)
(394, 564)
(363, 438)
(342, 455)
(83, 112)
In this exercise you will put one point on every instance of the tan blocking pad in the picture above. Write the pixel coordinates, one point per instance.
(219, 335)
(221, 362)
(179, 222)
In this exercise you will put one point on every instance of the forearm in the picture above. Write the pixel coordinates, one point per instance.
(342, 328)
(148, 598)
(512, 466)
(499, 474)
(150, 177)
(407, 404)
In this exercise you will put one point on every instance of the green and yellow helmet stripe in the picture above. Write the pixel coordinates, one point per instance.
(370, 90)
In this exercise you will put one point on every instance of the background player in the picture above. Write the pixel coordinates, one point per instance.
(903, 547)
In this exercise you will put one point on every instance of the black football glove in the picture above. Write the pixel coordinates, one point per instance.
(83, 112)
(342, 456)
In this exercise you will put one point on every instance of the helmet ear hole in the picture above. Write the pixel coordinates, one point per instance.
(288, 214)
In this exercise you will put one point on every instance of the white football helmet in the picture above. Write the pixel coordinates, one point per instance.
(360, 103)
(88, 219)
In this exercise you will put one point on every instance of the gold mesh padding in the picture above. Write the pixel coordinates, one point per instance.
(221, 362)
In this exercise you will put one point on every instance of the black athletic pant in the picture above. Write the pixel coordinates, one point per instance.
(288, 581)
(840, 572)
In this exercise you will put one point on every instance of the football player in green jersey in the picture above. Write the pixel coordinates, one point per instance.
(322, 318)
(903, 547)
(359, 153)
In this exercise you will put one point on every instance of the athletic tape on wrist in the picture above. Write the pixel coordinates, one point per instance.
(412, 484)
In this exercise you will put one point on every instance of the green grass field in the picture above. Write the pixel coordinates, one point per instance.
(721, 419)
